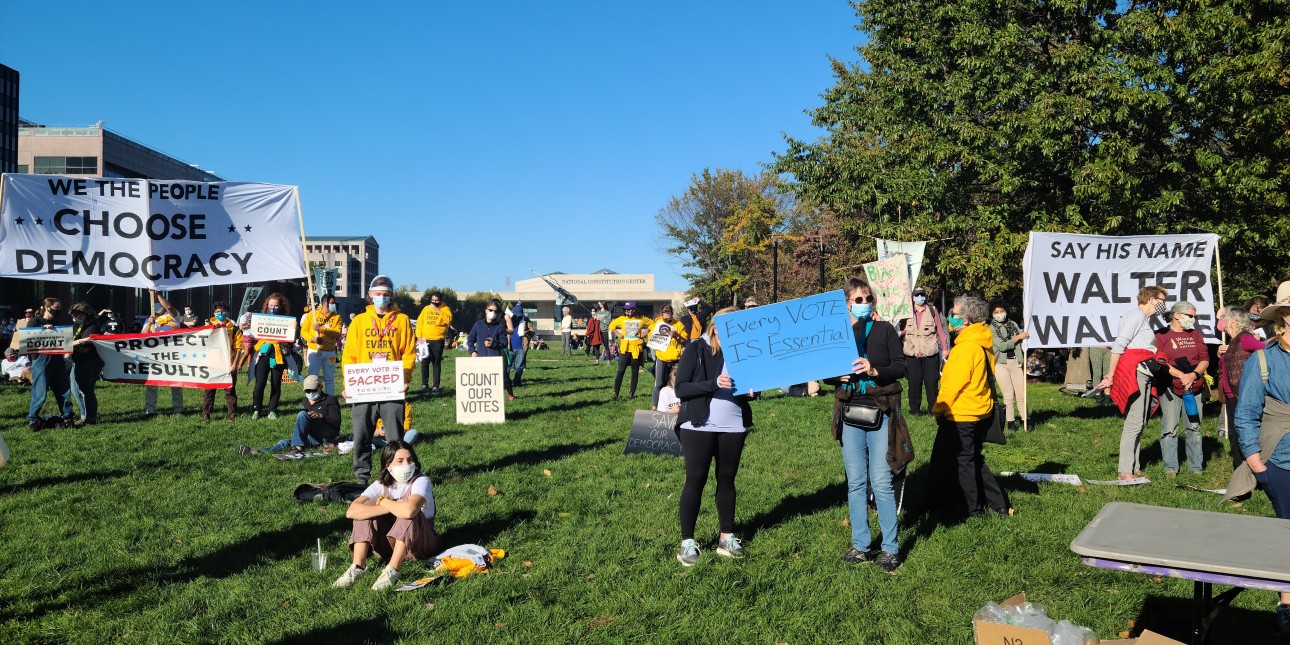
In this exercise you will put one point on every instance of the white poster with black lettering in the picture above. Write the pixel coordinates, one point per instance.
(480, 386)
(150, 234)
(197, 358)
(1077, 287)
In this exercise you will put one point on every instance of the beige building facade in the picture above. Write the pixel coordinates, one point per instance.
(540, 300)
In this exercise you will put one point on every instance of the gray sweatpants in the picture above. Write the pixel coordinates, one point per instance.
(1135, 419)
(364, 416)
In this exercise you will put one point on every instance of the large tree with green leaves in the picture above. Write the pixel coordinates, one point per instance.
(974, 122)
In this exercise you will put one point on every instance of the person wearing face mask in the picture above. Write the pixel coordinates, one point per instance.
(49, 371)
(595, 337)
(394, 517)
(665, 359)
(1232, 357)
(17, 368)
(518, 328)
(926, 344)
(1184, 347)
(1008, 369)
(1254, 306)
(489, 337)
(270, 361)
(627, 329)
(321, 331)
(381, 333)
(603, 316)
(869, 456)
(566, 332)
(317, 423)
(190, 319)
(223, 319)
(432, 328)
(86, 364)
(1130, 386)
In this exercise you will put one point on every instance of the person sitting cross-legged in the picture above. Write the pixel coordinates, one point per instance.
(318, 422)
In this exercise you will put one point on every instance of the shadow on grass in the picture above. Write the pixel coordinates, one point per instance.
(1210, 448)
(1172, 617)
(375, 630)
(43, 482)
(261, 548)
(578, 390)
(1039, 417)
(528, 458)
(484, 532)
(562, 407)
(831, 496)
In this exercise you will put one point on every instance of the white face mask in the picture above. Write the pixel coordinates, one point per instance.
(489, 316)
(402, 474)
(1187, 322)
(1000, 317)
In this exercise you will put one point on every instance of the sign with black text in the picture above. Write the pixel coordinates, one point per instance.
(197, 358)
(273, 327)
(38, 340)
(652, 432)
(480, 390)
(149, 234)
(374, 382)
(1077, 287)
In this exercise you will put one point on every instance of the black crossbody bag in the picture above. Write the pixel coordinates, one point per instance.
(994, 433)
(862, 415)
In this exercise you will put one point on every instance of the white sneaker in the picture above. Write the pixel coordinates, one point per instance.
(389, 576)
(351, 574)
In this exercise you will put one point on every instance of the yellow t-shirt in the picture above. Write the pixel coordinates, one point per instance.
(433, 322)
(634, 329)
(675, 344)
(321, 340)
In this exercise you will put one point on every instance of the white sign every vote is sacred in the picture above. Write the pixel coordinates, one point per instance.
(374, 382)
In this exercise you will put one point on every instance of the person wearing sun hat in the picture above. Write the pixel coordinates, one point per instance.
(628, 329)
(381, 333)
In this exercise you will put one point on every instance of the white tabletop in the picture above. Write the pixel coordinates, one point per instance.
(1227, 543)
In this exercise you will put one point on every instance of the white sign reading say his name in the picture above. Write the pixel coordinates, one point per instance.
(373, 382)
(38, 340)
(272, 327)
(1078, 287)
(479, 390)
(151, 234)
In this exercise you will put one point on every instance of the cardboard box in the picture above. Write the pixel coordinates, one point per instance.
(1000, 634)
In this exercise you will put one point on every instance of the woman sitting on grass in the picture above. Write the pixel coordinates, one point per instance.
(394, 517)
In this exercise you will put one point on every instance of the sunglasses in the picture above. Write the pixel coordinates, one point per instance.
(860, 300)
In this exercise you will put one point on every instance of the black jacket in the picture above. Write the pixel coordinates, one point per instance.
(696, 382)
(329, 407)
(885, 352)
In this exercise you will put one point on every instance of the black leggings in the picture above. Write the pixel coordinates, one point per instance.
(273, 377)
(924, 375)
(435, 358)
(699, 449)
(624, 360)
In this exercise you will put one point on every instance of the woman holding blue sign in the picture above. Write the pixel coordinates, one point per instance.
(866, 419)
(713, 423)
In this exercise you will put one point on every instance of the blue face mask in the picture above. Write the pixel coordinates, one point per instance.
(1254, 317)
(381, 301)
(273, 310)
(221, 316)
(920, 300)
(313, 396)
(862, 311)
(955, 322)
(331, 307)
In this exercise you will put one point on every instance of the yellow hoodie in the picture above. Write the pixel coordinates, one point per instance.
(433, 322)
(672, 352)
(965, 390)
(389, 337)
(320, 340)
(631, 345)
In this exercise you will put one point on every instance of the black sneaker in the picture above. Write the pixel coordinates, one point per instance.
(1283, 619)
(888, 561)
(856, 556)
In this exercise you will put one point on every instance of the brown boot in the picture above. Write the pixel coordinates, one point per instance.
(208, 402)
(231, 403)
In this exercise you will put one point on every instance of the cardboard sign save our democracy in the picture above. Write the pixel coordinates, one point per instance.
(479, 390)
(1078, 287)
(374, 382)
(652, 432)
(154, 234)
(272, 327)
(38, 340)
(788, 342)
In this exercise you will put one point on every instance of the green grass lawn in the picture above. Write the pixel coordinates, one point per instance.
(156, 530)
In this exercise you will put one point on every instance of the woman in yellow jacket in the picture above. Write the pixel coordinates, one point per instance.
(628, 329)
(320, 330)
(665, 359)
(379, 334)
(958, 480)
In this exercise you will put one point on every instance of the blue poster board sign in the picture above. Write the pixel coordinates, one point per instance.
(788, 342)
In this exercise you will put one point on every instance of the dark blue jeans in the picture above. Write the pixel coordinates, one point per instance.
(1276, 483)
(49, 373)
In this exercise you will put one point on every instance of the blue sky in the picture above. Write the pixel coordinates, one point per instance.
(474, 140)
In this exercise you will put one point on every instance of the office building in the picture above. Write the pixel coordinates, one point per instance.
(356, 259)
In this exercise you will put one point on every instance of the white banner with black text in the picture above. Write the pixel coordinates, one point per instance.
(197, 357)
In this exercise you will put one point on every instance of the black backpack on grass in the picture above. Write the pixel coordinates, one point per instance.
(334, 493)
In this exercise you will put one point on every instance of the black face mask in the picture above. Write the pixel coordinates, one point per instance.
(693, 308)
